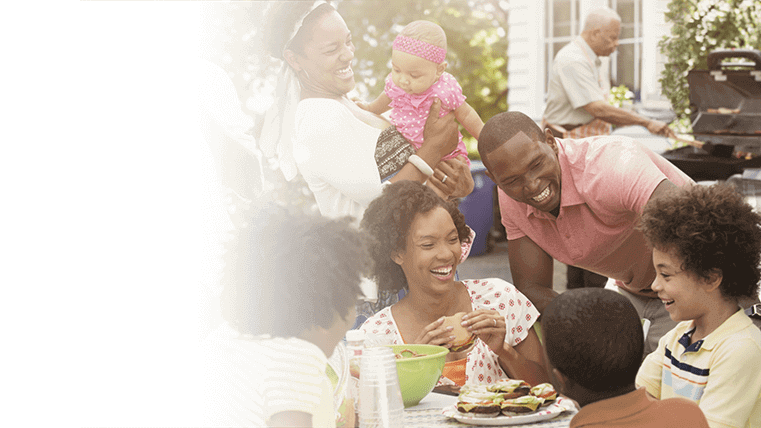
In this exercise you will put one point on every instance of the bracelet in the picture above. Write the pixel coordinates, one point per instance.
(421, 165)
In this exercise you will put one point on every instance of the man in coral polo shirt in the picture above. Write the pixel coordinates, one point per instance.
(577, 201)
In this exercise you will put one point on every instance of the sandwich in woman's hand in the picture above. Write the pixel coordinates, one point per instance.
(463, 339)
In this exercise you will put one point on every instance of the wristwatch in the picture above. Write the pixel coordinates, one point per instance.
(754, 311)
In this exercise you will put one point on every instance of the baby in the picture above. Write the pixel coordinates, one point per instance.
(417, 77)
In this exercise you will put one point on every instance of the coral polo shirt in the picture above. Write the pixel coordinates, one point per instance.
(605, 183)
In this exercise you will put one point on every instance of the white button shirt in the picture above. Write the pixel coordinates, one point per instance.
(574, 83)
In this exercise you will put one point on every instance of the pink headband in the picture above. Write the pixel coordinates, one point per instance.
(420, 49)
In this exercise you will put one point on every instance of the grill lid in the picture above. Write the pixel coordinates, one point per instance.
(725, 100)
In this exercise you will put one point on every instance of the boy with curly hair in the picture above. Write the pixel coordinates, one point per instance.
(706, 251)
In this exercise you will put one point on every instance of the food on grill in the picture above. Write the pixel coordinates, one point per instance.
(463, 339)
(723, 110)
(546, 392)
(510, 388)
(744, 155)
(727, 131)
(521, 405)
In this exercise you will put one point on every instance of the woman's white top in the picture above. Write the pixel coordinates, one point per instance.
(335, 153)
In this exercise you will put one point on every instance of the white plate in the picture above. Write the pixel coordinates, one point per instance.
(541, 414)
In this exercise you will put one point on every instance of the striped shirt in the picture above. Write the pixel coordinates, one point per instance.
(249, 379)
(720, 372)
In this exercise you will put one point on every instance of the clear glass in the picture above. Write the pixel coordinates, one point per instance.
(380, 399)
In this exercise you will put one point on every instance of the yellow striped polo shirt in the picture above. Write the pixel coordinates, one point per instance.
(720, 372)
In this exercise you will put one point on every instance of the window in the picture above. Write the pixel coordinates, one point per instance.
(626, 62)
(564, 23)
(562, 26)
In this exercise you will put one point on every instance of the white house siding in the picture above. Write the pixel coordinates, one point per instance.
(525, 65)
(654, 28)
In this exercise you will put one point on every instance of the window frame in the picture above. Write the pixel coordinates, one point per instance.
(577, 22)
(549, 37)
(637, 41)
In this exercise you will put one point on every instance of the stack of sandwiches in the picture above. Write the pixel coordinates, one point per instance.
(508, 397)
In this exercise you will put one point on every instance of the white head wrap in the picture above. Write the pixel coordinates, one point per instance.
(279, 121)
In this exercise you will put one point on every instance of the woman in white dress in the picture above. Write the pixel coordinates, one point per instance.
(341, 150)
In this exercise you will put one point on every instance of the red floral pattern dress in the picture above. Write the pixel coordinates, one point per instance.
(482, 364)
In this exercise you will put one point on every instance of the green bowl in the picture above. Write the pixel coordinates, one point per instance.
(418, 375)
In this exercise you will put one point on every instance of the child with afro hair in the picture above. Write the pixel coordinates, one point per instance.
(706, 250)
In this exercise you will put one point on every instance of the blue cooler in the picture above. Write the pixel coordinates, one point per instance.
(478, 207)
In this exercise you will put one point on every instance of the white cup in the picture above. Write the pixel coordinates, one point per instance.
(380, 399)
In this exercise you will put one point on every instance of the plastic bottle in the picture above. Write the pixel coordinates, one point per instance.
(355, 344)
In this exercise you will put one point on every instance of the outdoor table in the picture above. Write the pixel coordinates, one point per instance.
(428, 414)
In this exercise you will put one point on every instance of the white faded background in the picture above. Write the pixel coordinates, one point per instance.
(109, 215)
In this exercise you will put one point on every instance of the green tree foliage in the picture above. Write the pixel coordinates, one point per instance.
(231, 37)
(699, 27)
(476, 39)
(476, 36)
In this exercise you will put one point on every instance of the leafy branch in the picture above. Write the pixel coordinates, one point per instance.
(700, 27)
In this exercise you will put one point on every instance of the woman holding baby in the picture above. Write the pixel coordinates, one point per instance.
(343, 151)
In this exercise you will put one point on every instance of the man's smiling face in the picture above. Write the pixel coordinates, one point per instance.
(527, 170)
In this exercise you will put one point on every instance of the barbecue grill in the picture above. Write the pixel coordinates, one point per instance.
(725, 105)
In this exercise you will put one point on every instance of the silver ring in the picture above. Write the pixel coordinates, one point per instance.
(495, 321)
(443, 180)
